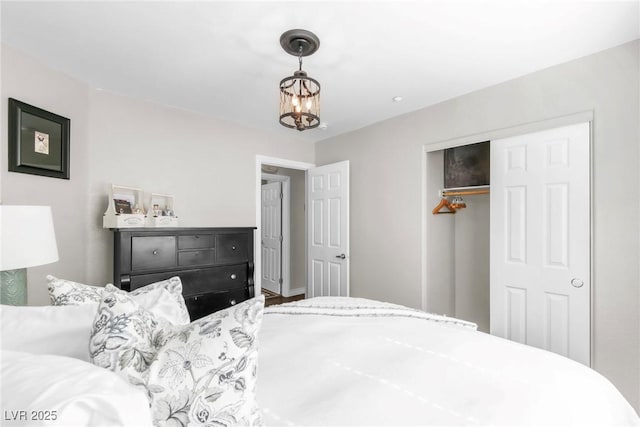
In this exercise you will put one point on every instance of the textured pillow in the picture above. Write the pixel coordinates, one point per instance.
(162, 298)
(62, 330)
(199, 374)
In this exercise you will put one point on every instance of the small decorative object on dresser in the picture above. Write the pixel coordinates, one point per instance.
(160, 211)
(124, 208)
(215, 265)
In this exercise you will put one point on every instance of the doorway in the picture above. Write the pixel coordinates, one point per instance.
(325, 255)
(280, 258)
(282, 231)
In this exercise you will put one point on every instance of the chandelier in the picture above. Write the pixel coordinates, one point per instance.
(299, 94)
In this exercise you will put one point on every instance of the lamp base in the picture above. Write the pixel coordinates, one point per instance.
(13, 287)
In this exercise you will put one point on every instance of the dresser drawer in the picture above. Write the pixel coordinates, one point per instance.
(197, 280)
(152, 252)
(201, 257)
(232, 247)
(202, 305)
(217, 278)
(196, 241)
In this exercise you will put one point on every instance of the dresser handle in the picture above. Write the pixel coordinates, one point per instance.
(155, 252)
(232, 302)
(233, 276)
(233, 248)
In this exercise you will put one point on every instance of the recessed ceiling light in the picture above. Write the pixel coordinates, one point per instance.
(396, 99)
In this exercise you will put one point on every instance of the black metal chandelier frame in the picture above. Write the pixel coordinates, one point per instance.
(299, 93)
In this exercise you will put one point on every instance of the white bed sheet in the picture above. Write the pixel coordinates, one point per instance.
(365, 366)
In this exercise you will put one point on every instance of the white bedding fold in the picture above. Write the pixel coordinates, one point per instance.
(360, 307)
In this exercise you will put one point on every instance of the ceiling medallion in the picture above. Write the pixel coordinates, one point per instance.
(299, 93)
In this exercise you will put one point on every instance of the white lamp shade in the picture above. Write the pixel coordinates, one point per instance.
(27, 237)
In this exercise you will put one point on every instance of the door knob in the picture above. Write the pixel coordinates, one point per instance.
(341, 256)
(576, 283)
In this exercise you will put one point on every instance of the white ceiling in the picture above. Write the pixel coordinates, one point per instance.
(224, 59)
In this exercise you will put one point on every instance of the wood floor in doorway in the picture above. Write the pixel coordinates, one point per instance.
(271, 298)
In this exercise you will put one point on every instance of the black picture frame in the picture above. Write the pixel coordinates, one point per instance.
(38, 141)
(467, 165)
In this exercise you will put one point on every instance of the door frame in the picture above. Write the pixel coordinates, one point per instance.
(521, 129)
(283, 163)
(285, 249)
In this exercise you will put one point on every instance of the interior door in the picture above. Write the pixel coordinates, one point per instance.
(540, 240)
(272, 236)
(328, 230)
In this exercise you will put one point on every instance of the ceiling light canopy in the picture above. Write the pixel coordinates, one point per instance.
(299, 94)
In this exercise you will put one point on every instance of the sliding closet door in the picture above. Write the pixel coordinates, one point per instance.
(540, 240)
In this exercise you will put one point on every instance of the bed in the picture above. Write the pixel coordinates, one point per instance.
(321, 361)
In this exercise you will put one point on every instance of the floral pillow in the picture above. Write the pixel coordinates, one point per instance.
(203, 373)
(66, 292)
(163, 298)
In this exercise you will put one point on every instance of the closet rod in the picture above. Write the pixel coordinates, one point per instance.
(447, 193)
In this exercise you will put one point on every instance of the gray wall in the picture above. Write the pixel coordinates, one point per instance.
(30, 82)
(208, 165)
(387, 263)
(440, 256)
(471, 261)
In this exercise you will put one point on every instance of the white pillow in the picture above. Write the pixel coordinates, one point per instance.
(63, 330)
(163, 298)
(47, 390)
(199, 374)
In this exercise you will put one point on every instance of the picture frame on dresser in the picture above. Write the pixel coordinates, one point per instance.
(38, 141)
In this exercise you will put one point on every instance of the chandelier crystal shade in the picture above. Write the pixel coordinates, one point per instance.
(299, 93)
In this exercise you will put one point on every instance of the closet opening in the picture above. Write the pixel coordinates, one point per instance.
(458, 243)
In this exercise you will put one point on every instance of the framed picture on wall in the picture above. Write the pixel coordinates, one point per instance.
(467, 165)
(38, 141)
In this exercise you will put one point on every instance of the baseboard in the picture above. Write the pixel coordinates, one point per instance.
(293, 292)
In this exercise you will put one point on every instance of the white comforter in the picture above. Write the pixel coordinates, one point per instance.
(379, 364)
(49, 390)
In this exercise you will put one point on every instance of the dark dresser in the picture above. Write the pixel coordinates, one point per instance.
(215, 265)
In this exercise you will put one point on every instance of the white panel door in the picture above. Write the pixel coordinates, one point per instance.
(540, 240)
(271, 236)
(328, 230)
